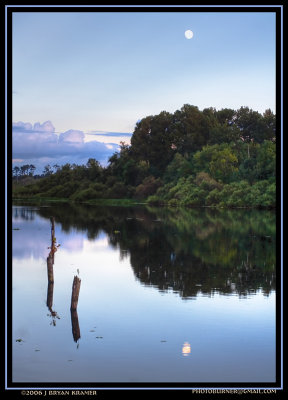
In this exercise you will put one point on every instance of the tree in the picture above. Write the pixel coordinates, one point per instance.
(56, 167)
(31, 169)
(247, 170)
(270, 123)
(266, 160)
(47, 170)
(141, 139)
(151, 135)
(252, 125)
(16, 172)
(190, 130)
(223, 134)
(226, 116)
(94, 169)
(148, 187)
(202, 158)
(177, 168)
(123, 166)
(225, 130)
(223, 165)
(25, 169)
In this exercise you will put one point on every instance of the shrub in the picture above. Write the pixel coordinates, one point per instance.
(173, 203)
(196, 197)
(154, 200)
(204, 180)
(148, 187)
(117, 191)
(213, 198)
(86, 194)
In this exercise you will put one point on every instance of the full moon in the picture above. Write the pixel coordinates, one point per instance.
(188, 34)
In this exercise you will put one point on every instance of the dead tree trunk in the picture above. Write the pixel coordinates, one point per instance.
(75, 292)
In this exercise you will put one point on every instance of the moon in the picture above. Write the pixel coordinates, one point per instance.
(189, 34)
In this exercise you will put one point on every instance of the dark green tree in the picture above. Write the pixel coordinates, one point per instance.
(252, 125)
(178, 167)
(152, 142)
(94, 170)
(266, 160)
(190, 129)
(270, 124)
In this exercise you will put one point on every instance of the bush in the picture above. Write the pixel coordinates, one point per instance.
(196, 197)
(117, 191)
(154, 200)
(173, 203)
(206, 182)
(148, 187)
(83, 195)
(213, 198)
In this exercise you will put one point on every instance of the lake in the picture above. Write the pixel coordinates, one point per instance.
(166, 295)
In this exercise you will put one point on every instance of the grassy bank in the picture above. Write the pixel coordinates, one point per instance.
(99, 202)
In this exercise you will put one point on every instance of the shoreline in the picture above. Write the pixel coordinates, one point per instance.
(133, 202)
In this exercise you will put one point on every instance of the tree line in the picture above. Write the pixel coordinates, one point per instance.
(189, 157)
(29, 170)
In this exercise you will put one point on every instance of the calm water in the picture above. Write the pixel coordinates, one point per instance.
(165, 295)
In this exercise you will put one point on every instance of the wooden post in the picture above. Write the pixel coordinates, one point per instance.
(75, 293)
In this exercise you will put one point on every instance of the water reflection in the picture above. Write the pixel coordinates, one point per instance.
(73, 309)
(75, 325)
(50, 273)
(50, 290)
(186, 349)
(24, 213)
(130, 258)
(190, 252)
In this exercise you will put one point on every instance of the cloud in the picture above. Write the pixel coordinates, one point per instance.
(41, 145)
(108, 137)
(22, 126)
(47, 126)
(72, 136)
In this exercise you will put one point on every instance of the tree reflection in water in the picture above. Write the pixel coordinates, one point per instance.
(189, 251)
(50, 289)
(50, 273)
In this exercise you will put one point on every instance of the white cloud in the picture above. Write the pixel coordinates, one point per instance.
(73, 136)
(108, 137)
(22, 126)
(45, 127)
(40, 145)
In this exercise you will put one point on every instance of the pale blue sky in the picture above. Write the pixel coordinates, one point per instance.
(103, 71)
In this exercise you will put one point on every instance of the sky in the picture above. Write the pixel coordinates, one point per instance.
(81, 80)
